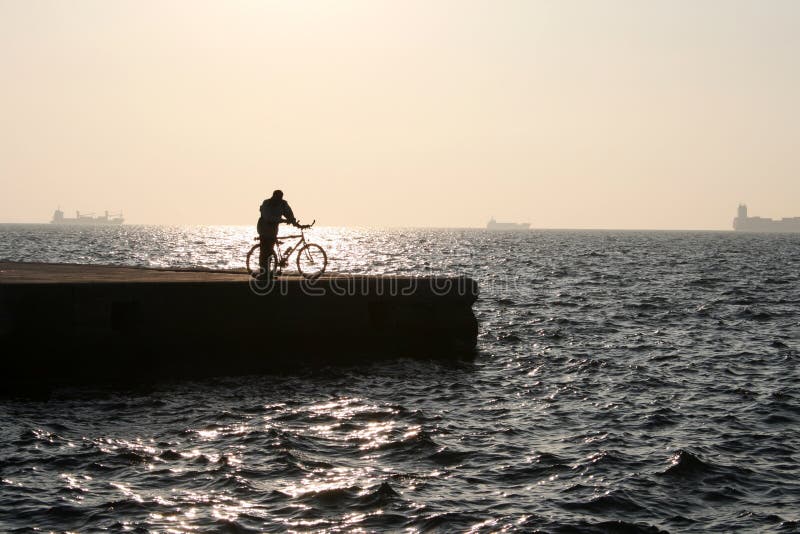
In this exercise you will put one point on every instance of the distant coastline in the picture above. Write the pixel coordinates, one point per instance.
(743, 223)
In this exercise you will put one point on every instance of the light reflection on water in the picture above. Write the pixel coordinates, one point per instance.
(351, 250)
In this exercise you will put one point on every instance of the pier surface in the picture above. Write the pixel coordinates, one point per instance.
(68, 273)
(65, 323)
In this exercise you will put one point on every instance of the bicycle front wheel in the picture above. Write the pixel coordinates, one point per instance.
(311, 260)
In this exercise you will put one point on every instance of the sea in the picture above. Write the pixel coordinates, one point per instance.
(624, 381)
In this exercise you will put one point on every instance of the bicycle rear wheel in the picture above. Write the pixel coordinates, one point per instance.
(254, 265)
(311, 260)
(252, 260)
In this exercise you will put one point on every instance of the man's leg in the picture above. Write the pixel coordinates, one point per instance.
(262, 255)
(268, 239)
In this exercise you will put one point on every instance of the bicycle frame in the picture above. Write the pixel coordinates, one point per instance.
(283, 261)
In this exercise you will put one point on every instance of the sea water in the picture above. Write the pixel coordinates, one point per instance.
(624, 381)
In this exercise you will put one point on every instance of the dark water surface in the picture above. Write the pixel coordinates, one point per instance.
(626, 381)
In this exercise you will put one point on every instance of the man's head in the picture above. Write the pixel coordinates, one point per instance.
(277, 194)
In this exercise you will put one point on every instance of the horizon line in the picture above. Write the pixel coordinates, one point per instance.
(429, 227)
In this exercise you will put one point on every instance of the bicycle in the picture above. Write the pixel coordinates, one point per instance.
(311, 258)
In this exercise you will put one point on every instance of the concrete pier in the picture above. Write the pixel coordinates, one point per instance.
(63, 324)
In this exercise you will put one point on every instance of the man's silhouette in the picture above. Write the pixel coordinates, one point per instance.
(274, 211)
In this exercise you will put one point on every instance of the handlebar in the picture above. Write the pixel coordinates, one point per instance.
(296, 225)
(305, 226)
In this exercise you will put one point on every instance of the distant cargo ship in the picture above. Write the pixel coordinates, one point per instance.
(114, 218)
(743, 223)
(494, 225)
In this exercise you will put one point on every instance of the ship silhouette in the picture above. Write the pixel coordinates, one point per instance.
(494, 225)
(87, 218)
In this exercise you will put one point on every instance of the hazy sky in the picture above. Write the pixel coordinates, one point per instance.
(567, 114)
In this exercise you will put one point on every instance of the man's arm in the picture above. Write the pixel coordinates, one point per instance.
(287, 212)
